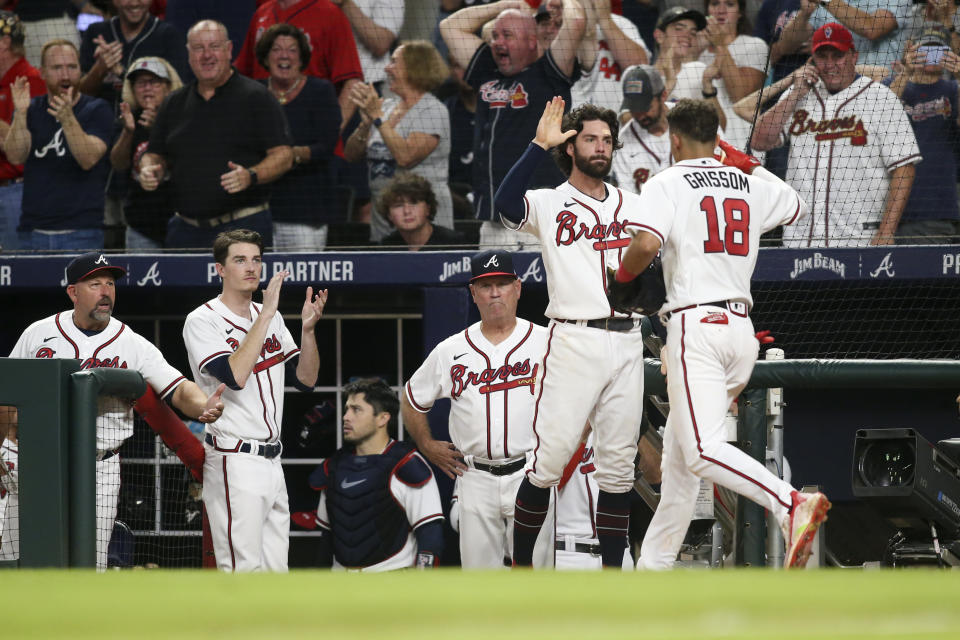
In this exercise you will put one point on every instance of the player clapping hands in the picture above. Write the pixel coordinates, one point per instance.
(313, 308)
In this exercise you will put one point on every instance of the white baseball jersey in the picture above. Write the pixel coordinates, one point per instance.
(748, 52)
(581, 237)
(421, 504)
(709, 218)
(601, 85)
(642, 156)
(9, 502)
(254, 412)
(842, 149)
(689, 81)
(492, 388)
(117, 346)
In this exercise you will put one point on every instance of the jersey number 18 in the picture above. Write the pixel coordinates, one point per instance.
(736, 219)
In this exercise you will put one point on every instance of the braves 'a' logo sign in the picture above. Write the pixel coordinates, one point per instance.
(491, 380)
(570, 229)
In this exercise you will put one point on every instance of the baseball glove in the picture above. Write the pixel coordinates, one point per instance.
(645, 294)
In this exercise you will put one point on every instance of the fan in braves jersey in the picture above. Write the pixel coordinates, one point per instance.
(380, 506)
(91, 334)
(232, 340)
(852, 148)
(610, 44)
(512, 79)
(707, 218)
(646, 145)
(489, 372)
(591, 370)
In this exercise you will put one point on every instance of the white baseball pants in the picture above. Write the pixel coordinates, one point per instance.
(710, 357)
(596, 375)
(246, 501)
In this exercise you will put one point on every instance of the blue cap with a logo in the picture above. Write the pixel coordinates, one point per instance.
(496, 262)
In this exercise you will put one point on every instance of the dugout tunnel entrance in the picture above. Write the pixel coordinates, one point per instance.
(761, 427)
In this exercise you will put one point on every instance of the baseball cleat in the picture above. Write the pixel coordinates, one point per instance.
(808, 512)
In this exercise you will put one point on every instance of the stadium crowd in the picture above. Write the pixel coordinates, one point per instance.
(157, 124)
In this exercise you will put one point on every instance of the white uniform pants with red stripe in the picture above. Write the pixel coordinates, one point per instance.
(486, 504)
(596, 375)
(246, 501)
(710, 356)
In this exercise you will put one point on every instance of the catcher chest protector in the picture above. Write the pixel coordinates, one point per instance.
(367, 523)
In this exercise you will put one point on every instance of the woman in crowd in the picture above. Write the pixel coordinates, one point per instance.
(147, 83)
(739, 60)
(302, 200)
(409, 133)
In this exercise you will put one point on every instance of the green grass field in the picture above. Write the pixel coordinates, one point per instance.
(452, 604)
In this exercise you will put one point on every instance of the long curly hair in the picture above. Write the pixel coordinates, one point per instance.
(574, 120)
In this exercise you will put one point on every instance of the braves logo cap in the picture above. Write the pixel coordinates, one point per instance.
(641, 85)
(496, 262)
(82, 267)
(833, 34)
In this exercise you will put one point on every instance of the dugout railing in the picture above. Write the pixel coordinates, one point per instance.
(57, 405)
(758, 427)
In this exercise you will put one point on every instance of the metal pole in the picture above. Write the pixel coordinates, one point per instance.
(774, 462)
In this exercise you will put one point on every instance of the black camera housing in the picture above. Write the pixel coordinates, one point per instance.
(908, 480)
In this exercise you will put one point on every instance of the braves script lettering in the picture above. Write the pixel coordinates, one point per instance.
(97, 363)
(570, 229)
(270, 345)
(833, 129)
(461, 377)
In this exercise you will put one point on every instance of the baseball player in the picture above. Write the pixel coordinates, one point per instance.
(591, 370)
(707, 218)
(379, 506)
(91, 334)
(852, 148)
(489, 373)
(230, 340)
(576, 544)
(9, 494)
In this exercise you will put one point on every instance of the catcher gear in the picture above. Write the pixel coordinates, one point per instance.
(733, 157)
(644, 294)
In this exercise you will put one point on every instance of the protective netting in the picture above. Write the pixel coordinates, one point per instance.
(9, 486)
(863, 319)
(159, 518)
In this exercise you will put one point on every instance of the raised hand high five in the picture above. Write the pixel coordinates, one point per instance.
(548, 129)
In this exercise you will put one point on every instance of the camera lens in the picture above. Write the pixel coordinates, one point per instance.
(888, 463)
